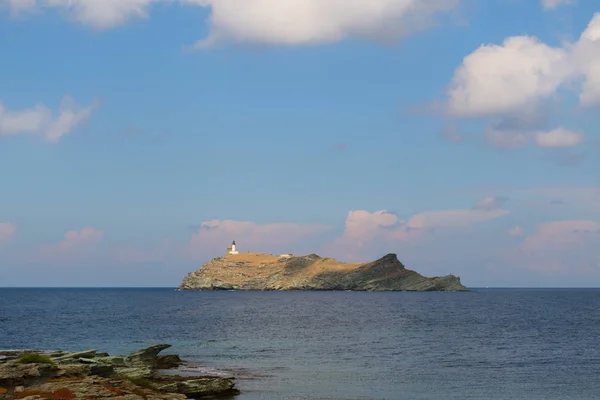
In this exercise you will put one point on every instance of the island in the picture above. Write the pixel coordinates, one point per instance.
(258, 271)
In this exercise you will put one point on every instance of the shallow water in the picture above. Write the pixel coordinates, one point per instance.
(485, 344)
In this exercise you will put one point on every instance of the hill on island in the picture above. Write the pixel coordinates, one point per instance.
(258, 271)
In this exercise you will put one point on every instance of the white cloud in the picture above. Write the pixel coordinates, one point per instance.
(513, 130)
(587, 57)
(301, 22)
(100, 14)
(285, 22)
(84, 237)
(552, 4)
(508, 78)
(559, 137)
(40, 120)
(367, 235)
(516, 137)
(75, 246)
(515, 77)
(7, 230)
(19, 6)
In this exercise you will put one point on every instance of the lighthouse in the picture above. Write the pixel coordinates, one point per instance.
(232, 250)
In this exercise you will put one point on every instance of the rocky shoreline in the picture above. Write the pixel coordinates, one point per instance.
(91, 375)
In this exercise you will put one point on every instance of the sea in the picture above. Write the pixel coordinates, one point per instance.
(492, 344)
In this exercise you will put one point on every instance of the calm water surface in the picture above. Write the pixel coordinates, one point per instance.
(486, 344)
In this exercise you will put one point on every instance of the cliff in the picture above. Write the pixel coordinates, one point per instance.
(257, 271)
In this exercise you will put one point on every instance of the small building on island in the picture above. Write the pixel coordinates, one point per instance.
(232, 249)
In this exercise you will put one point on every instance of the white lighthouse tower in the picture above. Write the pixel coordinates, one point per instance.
(232, 250)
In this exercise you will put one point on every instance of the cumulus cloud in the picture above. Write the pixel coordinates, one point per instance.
(213, 236)
(512, 138)
(75, 244)
(507, 78)
(41, 121)
(7, 230)
(283, 22)
(587, 58)
(369, 234)
(552, 4)
(100, 14)
(516, 76)
(302, 22)
(559, 137)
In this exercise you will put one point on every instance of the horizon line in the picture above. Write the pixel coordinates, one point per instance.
(175, 287)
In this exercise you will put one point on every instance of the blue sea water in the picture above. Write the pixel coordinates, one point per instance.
(485, 344)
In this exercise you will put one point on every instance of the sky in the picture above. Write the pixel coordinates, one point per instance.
(138, 138)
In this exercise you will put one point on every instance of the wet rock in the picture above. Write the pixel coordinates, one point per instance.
(196, 386)
(168, 361)
(69, 357)
(146, 357)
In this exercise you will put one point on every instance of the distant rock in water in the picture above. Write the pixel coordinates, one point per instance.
(258, 271)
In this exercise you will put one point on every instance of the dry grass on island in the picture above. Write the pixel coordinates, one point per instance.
(237, 267)
(260, 271)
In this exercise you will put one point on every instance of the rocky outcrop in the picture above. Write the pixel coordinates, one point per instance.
(196, 387)
(258, 271)
(93, 375)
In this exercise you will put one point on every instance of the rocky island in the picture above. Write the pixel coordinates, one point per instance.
(91, 375)
(258, 271)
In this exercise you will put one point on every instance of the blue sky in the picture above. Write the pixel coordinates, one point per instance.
(139, 137)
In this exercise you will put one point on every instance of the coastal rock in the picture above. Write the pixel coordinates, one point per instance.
(69, 357)
(16, 374)
(198, 386)
(146, 357)
(167, 362)
(258, 271)
(92, 375)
